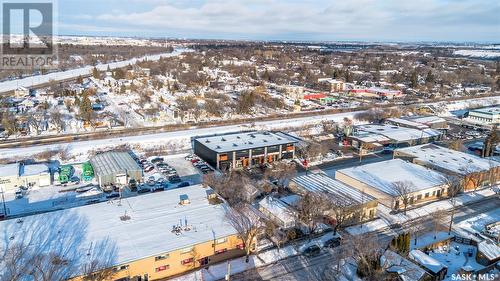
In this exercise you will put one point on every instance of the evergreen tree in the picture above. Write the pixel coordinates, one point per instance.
(95, 73)
(430, 77)
(414, 79)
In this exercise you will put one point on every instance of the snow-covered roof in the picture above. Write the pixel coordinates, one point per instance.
(383, 175)
(494, 110)
(108, 163)
(9, 170)
(426, 261)
(370, 137)
(398, 134)
(33, 169)
(407, 270)
(138, 227)
(242, 141)
(322, 183)
(427, 119)
(448, 159)
(278, 209)
(409, 123)
(489, 249)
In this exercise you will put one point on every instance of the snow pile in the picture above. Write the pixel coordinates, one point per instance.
(485, 54)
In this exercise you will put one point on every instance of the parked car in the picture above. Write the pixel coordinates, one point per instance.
(331, 243)
(183, 184)
(158, 189)
(148, 169)
(143, 190)
(133, 184)
(312, 251)
(157, 160)
(113, 195)
(174, 179)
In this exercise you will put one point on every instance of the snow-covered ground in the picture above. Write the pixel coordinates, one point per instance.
(455, 257)
(74, 73)
(180, 140)
(218, 271)
(386, 218)
(485, 54)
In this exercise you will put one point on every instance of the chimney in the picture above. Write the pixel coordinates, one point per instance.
(184, 200)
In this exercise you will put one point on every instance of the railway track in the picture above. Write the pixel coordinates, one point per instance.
(46, 140)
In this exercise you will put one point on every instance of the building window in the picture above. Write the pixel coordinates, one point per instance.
(221, 251)
(187, 261)
(240, 246)
(121, 267)
(427, 195)
(186, 250)
(434, 193)
(223, 157)
(220, 241)
(419, 197)
(161, 257)
(162, 268)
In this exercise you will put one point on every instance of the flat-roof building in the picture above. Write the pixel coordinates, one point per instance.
(152, 236)
(15, 175)
(378, 180)
(485, 116)
(239, 150)
(396, 136)
(115, 168)
(476, 171)
(334, 190)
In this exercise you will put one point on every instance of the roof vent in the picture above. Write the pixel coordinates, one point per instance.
(207, 141)
(217, 147)
(264, 140)
(184, 199)
(238, 137)
(252, 135)
(235, 145)
(223, 139)
(250, 142)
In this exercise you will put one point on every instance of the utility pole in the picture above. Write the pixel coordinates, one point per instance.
(228, 275)
(3, 204)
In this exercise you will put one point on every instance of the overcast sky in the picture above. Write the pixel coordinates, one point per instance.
(330, 20)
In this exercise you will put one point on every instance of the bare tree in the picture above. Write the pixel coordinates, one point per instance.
(345, 210)
(455, 186)
(246, 223)
(49, 248)
(403, 190)
(281, 172)
(438, 218)
(310, 211)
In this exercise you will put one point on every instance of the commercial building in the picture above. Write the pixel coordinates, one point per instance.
(13, 176)
(485, 116)
(420, 122)
(476, 171)
(363, 205)
(379, 93)
(147, 237)
(240, 150)
(380, 179)
(375, 135)
(115, 168)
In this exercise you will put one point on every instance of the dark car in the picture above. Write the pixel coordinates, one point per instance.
(156, 160)
(183, 184)
(331, 243)
(174, 179)
(312, 251)
(113, 195)
(159, 189)
(143, 190)
(133, 184)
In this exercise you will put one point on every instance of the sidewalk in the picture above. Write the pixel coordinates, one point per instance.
(386, 218)
(218, 271)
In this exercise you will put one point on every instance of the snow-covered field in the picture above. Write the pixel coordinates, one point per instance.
(181, 140)
(486, 54)
(74, 73)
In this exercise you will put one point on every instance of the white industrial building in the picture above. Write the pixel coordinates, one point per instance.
(16, 175)
(485, 116)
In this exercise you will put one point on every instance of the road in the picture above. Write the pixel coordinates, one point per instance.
(315, 268)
